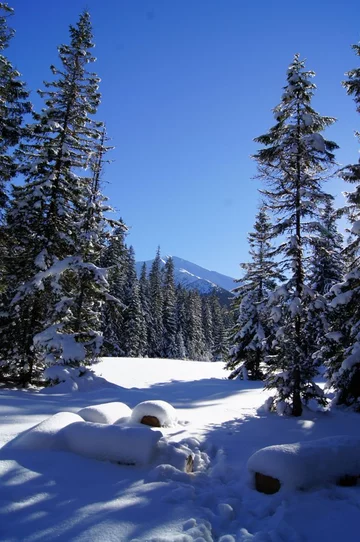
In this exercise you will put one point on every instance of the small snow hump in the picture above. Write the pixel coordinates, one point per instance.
(302, 465)
(155, 414)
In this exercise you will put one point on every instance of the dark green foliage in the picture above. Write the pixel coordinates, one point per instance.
(294, 163)
(253, 332)
(14, 105)
(169, 311)
(55, 288)
(156, 303)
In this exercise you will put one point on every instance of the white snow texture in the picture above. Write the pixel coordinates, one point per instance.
(105, 413)
(162, 410)
(306, 464)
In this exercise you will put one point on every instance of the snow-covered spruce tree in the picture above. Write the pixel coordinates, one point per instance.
(220, 332)
(169, 311)
(115, 260)
(343, 348)
(133, 321)
(145, 308)
(351, 173)
(207, 325)
(78, 316)
(47, 216)
(326, 269)
(326, 260)
(253, 332)
(156, 335)
(295, 161)
(181, 321)
(194, 338)
(14, 105)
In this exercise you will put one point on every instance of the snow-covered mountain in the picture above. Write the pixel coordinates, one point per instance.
(195, 277)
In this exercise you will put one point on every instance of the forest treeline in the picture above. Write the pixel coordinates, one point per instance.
(68, 284)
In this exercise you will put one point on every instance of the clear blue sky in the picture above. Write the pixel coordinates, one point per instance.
(186, 86)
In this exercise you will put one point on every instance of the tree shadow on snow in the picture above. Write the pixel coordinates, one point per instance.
(243, 436)
(195, 393)
(49, 494)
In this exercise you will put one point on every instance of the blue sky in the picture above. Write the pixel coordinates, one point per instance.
(186, 86)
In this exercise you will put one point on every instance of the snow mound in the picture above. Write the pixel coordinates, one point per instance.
(43, 436)
(173, 453)
(105, 413)
(127, 445)
(306, 464)
(67, 379)
(161, 410)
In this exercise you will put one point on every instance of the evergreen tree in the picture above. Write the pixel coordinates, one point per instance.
(253, 332)
(181, 322)
(194, 338)
(342, 350)
(351, 173)
(14, 105)
(156, 336)
(169, 311)
(115, 259)
(133, 323)
(48, 213)
(294, 164)
(326, 269)
(146, 311)
(220, 332)
(208, 327)
(326, 263)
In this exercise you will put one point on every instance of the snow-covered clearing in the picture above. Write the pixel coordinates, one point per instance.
(47, 494)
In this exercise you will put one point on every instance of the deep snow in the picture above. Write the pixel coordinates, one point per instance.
(48, 494)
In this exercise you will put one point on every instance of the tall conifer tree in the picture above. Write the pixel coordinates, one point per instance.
(169, 311)
(342, 351)
(47, 216)
(133, 321)
(156, 335)
(14, 105)
(295, 161)
(253, 332)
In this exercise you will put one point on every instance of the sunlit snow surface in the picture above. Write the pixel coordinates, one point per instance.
(47, 494)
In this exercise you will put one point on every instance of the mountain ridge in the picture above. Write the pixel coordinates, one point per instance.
(194, 277)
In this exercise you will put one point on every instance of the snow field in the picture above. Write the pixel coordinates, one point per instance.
(103, 502)
(307, 464)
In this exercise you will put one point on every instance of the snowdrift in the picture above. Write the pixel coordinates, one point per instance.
(307, 464)
(126, 445)
(43, 436)
(111, 432)
(105, 413)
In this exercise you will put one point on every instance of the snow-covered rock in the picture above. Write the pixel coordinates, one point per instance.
(306, 464)
(127, 445)
(43, 436)
(105, 413)
(163, 411)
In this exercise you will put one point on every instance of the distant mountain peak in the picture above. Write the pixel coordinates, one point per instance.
(194, 277)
